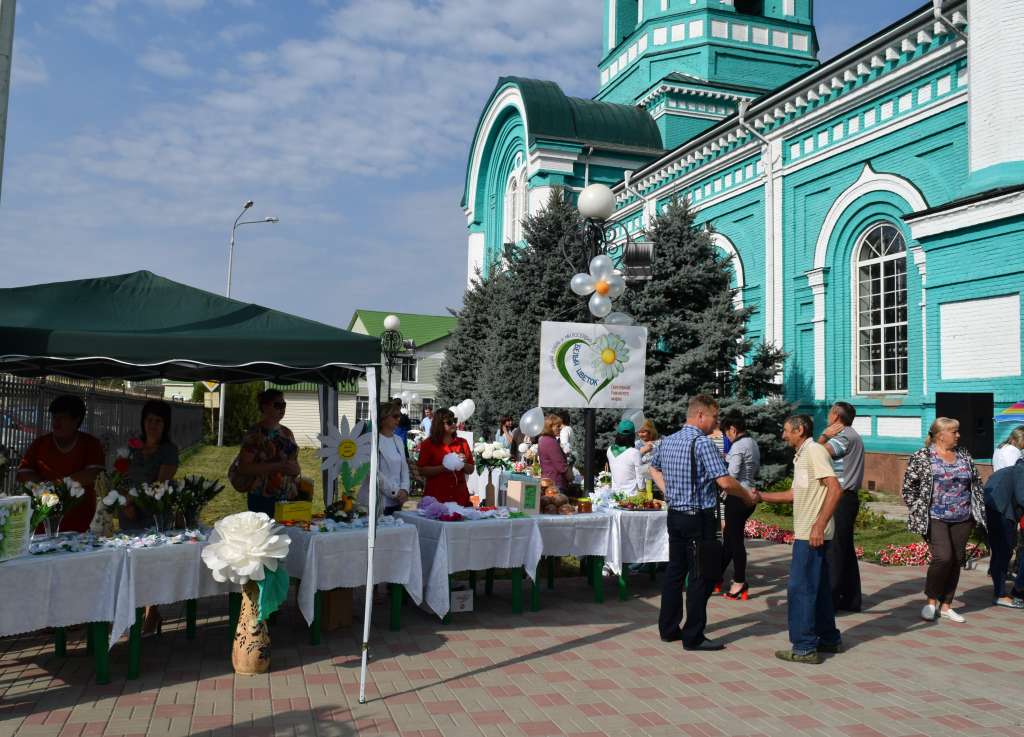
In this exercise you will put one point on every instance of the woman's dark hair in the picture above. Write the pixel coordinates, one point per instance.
(267, 396)
(157, 408)
(438, 427)
(504, 421)
(70, 405)
(736, 422)
(627, 439)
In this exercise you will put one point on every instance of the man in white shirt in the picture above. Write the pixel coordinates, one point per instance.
(425, 423)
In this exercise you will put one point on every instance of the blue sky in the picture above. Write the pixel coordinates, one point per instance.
(138, 127)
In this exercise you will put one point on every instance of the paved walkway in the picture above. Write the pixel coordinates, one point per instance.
(575, 668)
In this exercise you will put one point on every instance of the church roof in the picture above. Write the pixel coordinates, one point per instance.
(552, 114)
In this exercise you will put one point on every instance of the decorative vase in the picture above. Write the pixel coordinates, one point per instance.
(250, 652)
(490, 499)
(51, 526)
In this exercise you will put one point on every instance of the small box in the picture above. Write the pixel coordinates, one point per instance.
(461, 598)
(293, 511)
(524, 492)
(336, 609)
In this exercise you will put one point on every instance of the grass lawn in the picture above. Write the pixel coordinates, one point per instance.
(213, 462)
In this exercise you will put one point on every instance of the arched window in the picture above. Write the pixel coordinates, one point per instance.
(881, 289)
(511, 213)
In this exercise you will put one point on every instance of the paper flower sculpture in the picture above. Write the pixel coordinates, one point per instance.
(243, 546)
(610, 356)
(603, 284)
(345, 455)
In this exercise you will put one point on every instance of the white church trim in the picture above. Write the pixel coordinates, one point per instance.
(509, 97)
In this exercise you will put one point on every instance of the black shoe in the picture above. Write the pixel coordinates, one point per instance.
(676, 636)
(706, 645)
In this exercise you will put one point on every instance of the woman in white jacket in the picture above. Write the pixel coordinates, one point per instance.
(624, 461)
(393, 467)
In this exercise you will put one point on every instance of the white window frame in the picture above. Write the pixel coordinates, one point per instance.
(409, 362)
(362, 408)
(857, 263)
(515, 204)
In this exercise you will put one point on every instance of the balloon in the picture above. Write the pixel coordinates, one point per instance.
(616, 285)
(455, 411)
(618, 318)
(636, 416)
(600, 306)
(468, 407)
(532, 423)
(413, 397)
(582, 284)
(404, 396)
(601, 267)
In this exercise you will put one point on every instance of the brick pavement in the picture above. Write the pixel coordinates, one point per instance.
(575, 668)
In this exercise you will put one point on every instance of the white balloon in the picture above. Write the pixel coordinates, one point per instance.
(532, 422)
(468, 407)
(636, 416)
(455, 411)
(616, 285)
(600, 306)
(404, 396)
(582, 284)
(601, 267)
(619, 318)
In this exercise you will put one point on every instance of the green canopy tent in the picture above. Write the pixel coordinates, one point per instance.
(141, 326)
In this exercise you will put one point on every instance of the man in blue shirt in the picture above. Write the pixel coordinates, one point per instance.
(690, 471)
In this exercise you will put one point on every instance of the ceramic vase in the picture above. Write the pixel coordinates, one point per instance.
(250, 652)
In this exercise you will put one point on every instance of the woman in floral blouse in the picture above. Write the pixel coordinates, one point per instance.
(269, 456)
(945, 499)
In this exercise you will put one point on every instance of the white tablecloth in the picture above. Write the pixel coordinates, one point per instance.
(330, 560)
(636, 537)
(575, 534)
(450, 547)
(164, 574)
(59, 590)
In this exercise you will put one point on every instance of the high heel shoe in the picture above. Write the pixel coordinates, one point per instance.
(742, 594)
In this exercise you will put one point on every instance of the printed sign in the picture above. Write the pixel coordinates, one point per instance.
(592, 365)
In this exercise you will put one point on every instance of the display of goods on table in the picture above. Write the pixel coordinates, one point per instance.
(640, 503)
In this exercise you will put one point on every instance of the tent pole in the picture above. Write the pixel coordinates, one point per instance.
(328, 397)
(371, 531)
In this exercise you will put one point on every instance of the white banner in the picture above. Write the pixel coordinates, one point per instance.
(592, 365)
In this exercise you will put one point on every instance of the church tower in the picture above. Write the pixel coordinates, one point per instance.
(690, 62)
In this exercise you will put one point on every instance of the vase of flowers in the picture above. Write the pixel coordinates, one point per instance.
(158, 500)
(194, 494)
(247, 548)
(489, 457)
(51, 500)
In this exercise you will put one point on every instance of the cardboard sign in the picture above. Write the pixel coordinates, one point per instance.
(592, 365)
(15, 526)
(523, 492)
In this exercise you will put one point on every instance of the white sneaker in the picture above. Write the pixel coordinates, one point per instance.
(929, 612)
(952, 616)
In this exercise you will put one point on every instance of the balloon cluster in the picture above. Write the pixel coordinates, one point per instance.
(463, 410)
(603, 284)
(408, 398)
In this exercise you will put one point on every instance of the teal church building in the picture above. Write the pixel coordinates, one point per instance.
(872, 205)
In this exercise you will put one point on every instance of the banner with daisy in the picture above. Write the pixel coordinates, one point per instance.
(599, 365)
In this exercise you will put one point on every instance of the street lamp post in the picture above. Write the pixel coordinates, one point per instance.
(231, 261)
(391, 345)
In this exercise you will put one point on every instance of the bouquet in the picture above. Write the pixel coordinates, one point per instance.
(491, 455)
(195, 492)
(604, 478)
(51, 500)
(159, 499)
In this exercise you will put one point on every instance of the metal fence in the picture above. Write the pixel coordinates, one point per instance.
(112, 415)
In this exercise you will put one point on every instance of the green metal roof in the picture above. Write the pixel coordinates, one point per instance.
(422, 329)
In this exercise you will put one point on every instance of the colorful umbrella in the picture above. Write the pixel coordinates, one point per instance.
(1012, 414)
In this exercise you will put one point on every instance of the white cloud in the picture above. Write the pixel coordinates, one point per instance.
(238, 31)
(169, 63)
(28, 66)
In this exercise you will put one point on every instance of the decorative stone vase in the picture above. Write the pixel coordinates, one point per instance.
(250, 652)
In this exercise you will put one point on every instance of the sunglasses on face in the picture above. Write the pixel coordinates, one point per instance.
(450, 423)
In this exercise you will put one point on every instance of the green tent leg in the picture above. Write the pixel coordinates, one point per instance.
(489, 582)
(472, 582)
(190, 619)
(551, 571)
(397, 591)
(535, 595)
(517, 590)
(234, 610)
(588, 568)
(623, 588)
(314, 627)
(100, 634)
(60, 642)
(135, 645)
(597, 563)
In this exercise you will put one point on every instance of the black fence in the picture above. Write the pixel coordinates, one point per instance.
(112, 415)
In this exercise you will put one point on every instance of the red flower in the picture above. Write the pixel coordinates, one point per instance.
(121, 465)
(134, 443)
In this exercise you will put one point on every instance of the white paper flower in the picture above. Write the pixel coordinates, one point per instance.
(344, 445)
(124, 452)
(487, 453)
(453, 462)
(114, 498)
(133, 491)
(75, 489)
(49, 500)
(241, 545)
(524, 447)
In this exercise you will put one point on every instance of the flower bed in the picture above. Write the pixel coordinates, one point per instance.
(773, 533)
(916, 554)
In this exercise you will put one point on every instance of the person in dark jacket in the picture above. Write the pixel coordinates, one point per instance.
(1004, 507)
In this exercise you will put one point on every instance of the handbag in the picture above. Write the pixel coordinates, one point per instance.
(709, 550)
(241, 483)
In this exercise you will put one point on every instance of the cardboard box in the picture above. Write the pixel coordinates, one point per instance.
(336, 609)
(523, 492)
(293, 511)
(461, 598)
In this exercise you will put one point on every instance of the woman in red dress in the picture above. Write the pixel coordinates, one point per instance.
(444, 484)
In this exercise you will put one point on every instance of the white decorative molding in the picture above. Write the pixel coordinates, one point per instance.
(737, 265)
(968, 352)
(899, 427)
(509, 97)
(816, 281)
(862, 424)
(967, 215)
(920, 261)
(476, 256)
(868, 181)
